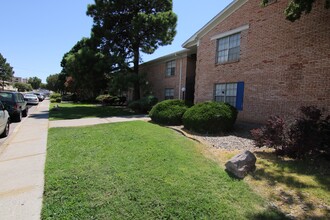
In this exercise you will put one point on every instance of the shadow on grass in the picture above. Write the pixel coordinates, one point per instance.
(77, 112)
(319, 170)
(295, 174)
(269, 214)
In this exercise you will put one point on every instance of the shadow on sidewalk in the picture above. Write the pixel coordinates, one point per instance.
(41, 115)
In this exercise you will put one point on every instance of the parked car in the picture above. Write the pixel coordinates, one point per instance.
(31, 99)
(40, 96)
(15, 105)
(4, 121)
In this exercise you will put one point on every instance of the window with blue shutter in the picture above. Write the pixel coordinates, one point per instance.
(232, 93)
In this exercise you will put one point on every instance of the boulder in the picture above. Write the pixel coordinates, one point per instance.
(241, 164)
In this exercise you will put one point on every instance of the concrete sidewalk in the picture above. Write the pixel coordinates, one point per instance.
(95, 121)
(22, 160)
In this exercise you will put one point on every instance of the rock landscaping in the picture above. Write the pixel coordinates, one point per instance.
(237, 140)
(241, 164)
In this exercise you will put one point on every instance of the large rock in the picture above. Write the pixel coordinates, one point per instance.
(241, 164)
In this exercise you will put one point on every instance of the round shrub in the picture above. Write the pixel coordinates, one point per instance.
(168, 112)
(106, 99)
(69, 97)
(55, 95)
(210, 117)
(134, 105)
(144, 104)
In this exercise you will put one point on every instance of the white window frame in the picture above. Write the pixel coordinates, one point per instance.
(228, 48)
(226, 92)
(227, 34)
(169, 93)
(170, 68)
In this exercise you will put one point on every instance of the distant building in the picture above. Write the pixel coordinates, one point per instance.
(172, 76)
(16, 79)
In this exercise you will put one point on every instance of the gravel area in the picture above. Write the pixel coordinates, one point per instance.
(238, 139)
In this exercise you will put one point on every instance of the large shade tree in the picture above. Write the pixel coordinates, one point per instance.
(35, 82)
(127, 27)
(86, 68)
(55, 82)
(296, 8)
(6, 71)
(23, 87)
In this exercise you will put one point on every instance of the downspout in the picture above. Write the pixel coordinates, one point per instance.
(180, 80)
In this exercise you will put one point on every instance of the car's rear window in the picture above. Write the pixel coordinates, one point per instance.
(30, 95)
(6, 96)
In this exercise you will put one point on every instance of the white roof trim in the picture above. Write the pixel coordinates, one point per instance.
(233, 31)
(169, 57)
(231, 8)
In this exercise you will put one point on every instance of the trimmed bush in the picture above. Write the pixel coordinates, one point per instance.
(143, 105)
(210, 117)
(69, 97)
(55, 96)
(105, 99)
(168, 112)
(134, 105)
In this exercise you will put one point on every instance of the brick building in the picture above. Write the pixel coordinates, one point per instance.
(172, 76)
(253, 58)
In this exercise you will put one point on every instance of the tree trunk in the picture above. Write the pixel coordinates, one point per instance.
(136, 91)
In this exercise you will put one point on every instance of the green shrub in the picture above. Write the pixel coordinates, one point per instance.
(210, 117)
(234, 113)
(146, 103)
(52, 100)
(104, 99)
(55, 96)
(58, 100)
(69, 97)
(134, 105)
(143, 105)
(111, 100)
(168, 112)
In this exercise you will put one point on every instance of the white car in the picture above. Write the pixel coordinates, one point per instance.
(4, 121)
(40, 96)
(31, 99)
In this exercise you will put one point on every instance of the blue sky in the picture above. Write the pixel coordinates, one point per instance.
(35, 34)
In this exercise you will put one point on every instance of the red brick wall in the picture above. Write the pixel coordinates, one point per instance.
(284, 65)
(155, 73)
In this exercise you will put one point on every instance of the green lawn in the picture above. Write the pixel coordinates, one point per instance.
(75, 111)
(138, 170)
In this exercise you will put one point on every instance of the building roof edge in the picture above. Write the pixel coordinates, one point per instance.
(228, 10)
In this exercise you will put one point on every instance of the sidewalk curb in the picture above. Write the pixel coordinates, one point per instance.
(12, 135)
(5, 144)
